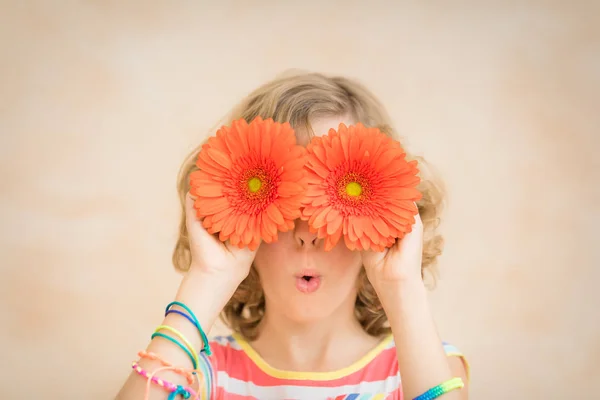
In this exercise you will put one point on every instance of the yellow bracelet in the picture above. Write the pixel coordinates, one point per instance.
(183, 339)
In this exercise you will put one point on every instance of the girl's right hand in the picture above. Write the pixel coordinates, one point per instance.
(210, 255)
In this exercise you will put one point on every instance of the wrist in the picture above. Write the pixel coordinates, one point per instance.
(396, 286)
(199, 271)
(217, 280)
(401, 291)
(206, 293)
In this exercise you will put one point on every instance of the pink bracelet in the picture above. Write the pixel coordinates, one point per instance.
(181, 371)
(160, 382)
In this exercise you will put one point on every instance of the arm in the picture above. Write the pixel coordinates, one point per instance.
(206, 295)
(396, 277)
(215, 273)
(422, 361)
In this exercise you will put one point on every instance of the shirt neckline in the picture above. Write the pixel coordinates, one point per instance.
(316, 376)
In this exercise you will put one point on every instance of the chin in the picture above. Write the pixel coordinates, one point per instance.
(304, 315)
(302, 309)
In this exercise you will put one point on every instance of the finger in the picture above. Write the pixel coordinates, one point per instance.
(193, 222)
(191, 214)
(412, 238)
(418, 220)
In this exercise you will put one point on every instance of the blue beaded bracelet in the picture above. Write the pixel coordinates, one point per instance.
(443, 388)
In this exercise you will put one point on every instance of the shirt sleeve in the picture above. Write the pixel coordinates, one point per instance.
(453, 351)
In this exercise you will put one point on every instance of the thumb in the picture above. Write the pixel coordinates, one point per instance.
(194, 223)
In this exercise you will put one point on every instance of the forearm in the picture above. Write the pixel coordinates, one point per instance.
(206, 296)
(421, 358)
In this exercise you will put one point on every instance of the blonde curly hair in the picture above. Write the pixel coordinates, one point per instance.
(298, 98)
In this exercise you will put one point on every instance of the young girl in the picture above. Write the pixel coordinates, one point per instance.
(362, 329)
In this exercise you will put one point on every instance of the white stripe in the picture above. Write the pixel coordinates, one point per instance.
(226, 341)
(448, 348)
(242, 388)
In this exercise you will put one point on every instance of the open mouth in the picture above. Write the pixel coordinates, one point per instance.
(308, 283)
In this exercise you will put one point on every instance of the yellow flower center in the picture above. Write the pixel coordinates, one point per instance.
(353, 189)
(254, 184)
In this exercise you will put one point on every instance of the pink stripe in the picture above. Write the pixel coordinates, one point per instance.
(223, 395)
(239, 366)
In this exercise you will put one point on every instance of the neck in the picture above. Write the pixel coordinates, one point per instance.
(318, 346)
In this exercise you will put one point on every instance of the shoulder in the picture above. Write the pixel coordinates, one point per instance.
(222, 341)
(459, 361)
(223, 347)
(456, 358)
(228, 350)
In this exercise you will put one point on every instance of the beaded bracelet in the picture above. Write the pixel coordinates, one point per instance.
(206, 345)
(170, 387)
(206, 369)
(443, 388)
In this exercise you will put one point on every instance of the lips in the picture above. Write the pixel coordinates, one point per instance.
(308, 281)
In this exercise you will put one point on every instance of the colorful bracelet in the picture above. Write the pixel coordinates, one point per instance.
(190, 355)
(182, 314)
(206, 345)
(209, 375)
(183, 339)
(443, 388)
(181, 371)
(175, 390)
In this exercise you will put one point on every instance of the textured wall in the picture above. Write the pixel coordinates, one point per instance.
(100, 101)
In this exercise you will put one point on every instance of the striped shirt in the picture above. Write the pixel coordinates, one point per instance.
(241, 374)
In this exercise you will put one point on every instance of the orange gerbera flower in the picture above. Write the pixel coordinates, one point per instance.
(250, 182)
(360, 187)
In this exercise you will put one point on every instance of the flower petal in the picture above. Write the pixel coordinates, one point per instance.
(229, 226)
(274, 214)
(319, 201)
(268, 226)
(350, 243)
(253, 245)
(365, 243)
(352, 234)
(287, 189)
(381, 226)
(213, 206)
(320, 217)
(335, 224)
(334, 238)
(266, 141)
(242, 224)
(208, 190)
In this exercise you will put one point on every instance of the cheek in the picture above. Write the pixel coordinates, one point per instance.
(276, 262)
(272, 258)
(340, 257)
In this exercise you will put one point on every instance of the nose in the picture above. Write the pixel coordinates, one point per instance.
(304, 237)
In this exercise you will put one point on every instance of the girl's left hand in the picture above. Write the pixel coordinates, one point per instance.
(398, 264)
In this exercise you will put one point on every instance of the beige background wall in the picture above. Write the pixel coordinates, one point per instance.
(100, 101)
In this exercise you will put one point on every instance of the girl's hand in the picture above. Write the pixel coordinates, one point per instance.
(210, 255)
(398, 264)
